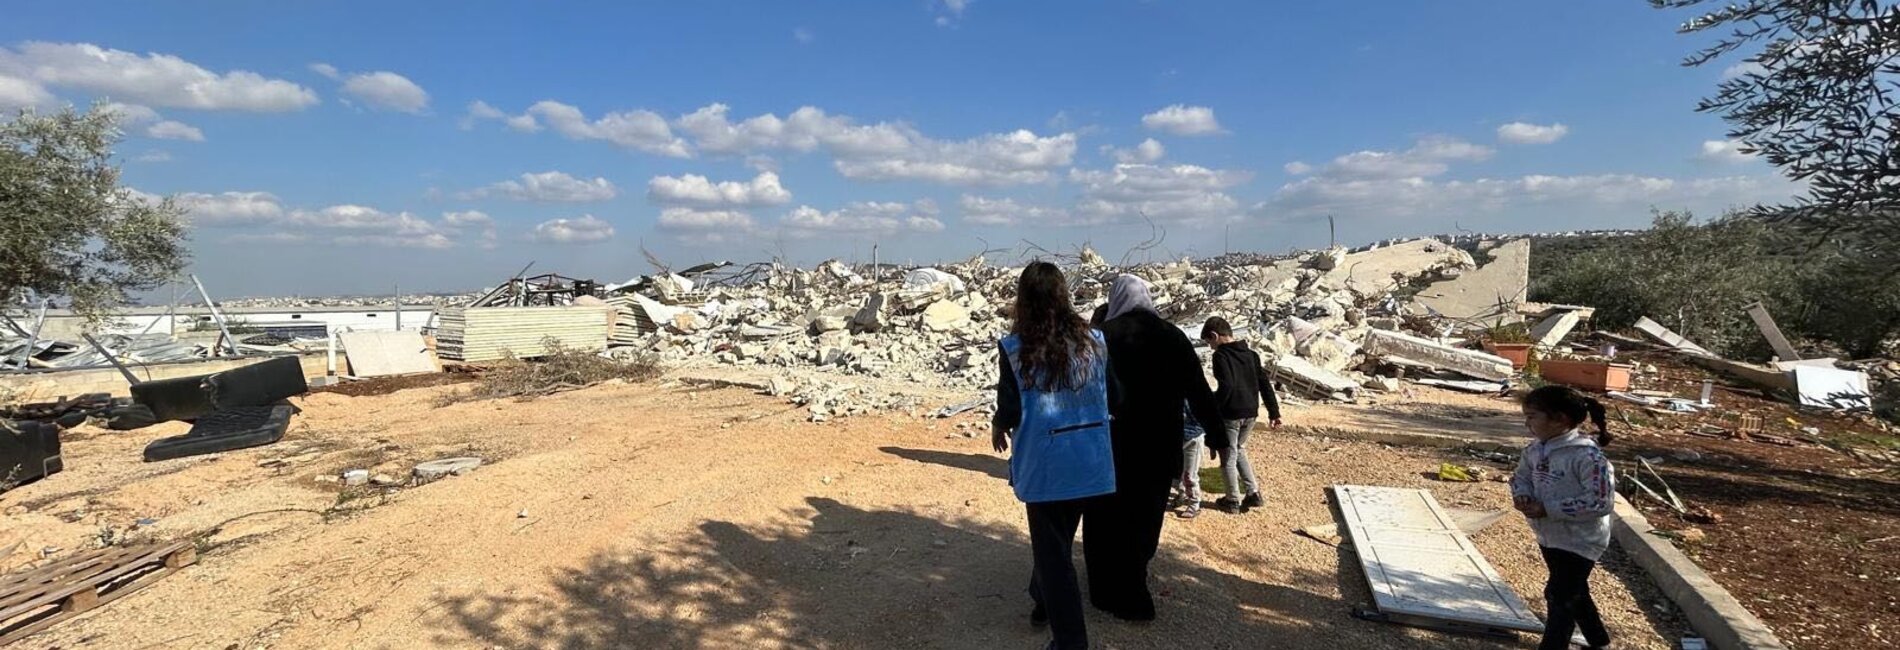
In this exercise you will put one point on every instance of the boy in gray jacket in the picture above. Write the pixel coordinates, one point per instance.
(1564, 485)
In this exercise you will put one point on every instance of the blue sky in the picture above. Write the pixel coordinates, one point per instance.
(346, 147)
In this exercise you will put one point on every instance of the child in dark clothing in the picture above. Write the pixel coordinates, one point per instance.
(1244, 386)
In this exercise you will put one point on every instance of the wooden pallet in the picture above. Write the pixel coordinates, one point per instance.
(34, 600)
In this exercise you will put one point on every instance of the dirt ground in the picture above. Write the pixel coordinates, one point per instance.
(664, 516)
(1806, 535)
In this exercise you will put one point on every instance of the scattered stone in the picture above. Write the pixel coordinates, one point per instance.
(436, 469)
(382, 480)
(523, 514)
(355, 477)
(1693, 536)
(945, 316)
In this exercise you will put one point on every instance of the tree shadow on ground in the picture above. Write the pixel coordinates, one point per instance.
(994, 466)
(847, 577)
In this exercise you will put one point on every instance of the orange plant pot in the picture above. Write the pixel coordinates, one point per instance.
(1596, 376)
(1518, 353)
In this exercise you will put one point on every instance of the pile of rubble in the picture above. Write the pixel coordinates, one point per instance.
(1331, 320)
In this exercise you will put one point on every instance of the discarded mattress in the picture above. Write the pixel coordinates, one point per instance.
(225, 430)
(1420, 564)
(29, 451)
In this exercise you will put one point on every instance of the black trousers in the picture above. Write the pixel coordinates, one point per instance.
(1568, 597)
(1052, 582)
(1121, 533)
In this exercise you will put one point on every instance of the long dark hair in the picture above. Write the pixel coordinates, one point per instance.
(1571, 404)
(1057, 351)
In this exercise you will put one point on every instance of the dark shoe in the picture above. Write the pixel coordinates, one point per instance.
(1038, 617)
(1253, 501)
(1228, 504)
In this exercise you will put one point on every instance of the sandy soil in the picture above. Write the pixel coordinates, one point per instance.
(663, 516)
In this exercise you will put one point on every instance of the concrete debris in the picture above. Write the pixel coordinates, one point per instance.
(437, 469)
(1552, 330)
(945, 316)
(1474, 363)
(1489, 293)
(1656, 331)
(1324, 317)
(1766, 323)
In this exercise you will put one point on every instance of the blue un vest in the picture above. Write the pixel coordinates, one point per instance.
(1062, 448)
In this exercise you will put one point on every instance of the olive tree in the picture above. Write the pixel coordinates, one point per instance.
(1811, 90)
(68, 230)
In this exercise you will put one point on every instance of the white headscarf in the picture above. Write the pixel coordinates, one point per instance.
(1128, 293)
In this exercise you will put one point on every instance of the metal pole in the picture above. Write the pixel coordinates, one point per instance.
(398, 292)
(33, 338)
(215, 316)
(330, 370)
(129, 377)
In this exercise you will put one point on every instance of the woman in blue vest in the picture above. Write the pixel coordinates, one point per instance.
(1052, 407)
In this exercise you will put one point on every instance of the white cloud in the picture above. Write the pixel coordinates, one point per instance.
(949, 11)
(550, 186)
(356, 225)
(1148, 151)
(172, 130)
(984, 211)
(1743, 69)
(1724, 151)
(470, 220)
(803, 35)
(479, 110)
(17, 93)
(152, 79)
(130, 114)
(1428, 157)
(692, 189)
(637, 129)
(1298, 168)
(1409, 197)
(583, 230)
(268, 238)
(1181, 119)
(884, 151)
(467, 219)
(1526, 133)
(230, 208)
(1126, 193)
(862, 218)
(387, 91)
(326, 70)
(689, 219)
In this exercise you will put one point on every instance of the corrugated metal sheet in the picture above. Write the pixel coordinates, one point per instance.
(492, 333)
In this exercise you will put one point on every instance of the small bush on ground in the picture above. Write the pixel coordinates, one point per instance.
(561, 369)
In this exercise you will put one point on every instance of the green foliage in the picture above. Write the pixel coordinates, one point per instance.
(1508, 333)
(1819, 105)
(1696, 278)
(67, 228)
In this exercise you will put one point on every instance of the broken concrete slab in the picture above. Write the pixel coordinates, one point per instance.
(945, 316)
(1311, 379)
(1552, 330)
(1766, 323)
(1491, 293)
(1468, 362)
(1663, 335)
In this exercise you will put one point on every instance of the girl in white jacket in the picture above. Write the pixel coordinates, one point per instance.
(1564, 485)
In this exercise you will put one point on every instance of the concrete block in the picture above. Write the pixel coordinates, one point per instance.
(1468, 362)
(1711, 611)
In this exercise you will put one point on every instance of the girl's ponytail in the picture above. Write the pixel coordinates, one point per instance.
(1600, 418)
